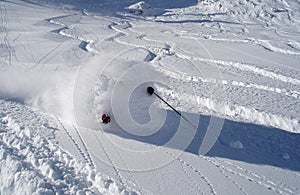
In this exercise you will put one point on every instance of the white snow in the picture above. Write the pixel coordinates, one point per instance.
(231, 68)
(143, 9)
(139, 6)
(31, 161)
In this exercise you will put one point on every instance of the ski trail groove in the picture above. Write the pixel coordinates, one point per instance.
(195, 79)
(49, 55)
(232, 110)
(135, 182)
(86, 159)
(191, 178)
(226, 176)
(234, 182)
(192, 183)
(158, 183)
(263, 181)
(6, 42)
(116, 170)
(184, 170)
(262, 177)
(4, 22)
(211, 188)
(247, 67)
(66, 32)
(87, 153)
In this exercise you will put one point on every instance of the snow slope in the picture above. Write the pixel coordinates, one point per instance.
(32, 162)
(230, 67)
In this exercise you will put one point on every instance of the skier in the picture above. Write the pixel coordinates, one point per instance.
(105, 118)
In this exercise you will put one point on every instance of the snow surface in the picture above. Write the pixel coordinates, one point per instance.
(230, 67)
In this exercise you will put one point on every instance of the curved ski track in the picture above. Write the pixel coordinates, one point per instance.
(121, 179)
(126, 177)
(226, 168)
(131, 37)
(186, 165)
(254, 73)
(268, 183)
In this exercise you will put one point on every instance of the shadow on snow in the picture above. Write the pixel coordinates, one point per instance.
(260, 144)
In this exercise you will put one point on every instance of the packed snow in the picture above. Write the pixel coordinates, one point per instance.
(230, 68)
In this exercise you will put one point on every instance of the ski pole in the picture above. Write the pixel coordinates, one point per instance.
(151, 91)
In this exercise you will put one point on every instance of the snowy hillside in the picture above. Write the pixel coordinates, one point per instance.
(231, 68)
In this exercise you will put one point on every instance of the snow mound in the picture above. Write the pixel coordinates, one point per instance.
(236, 144)
(142, 8)
(286, 156)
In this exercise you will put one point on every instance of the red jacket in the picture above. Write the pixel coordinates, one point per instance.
(105, 118)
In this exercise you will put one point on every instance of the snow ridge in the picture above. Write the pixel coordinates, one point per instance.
(268, 183)
(221, 107)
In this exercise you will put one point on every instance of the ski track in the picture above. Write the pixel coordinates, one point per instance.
(6, 39)
(205, 179)
(137, 187)
(41, 63)
(29, 48)
(195, 79)
(4, 22)
(87, 153)
(193, 182)
(161, 49)
(273, 182)
(83, 154)
(232, 181)
(263, 43)
(177, 75)
(158, 181)
(190, 182)
(247, 67)
(183, 168)
(134, 182)
(229, 109)
(70, 31)
(268, 183)
(116, 170)
(153, 45)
